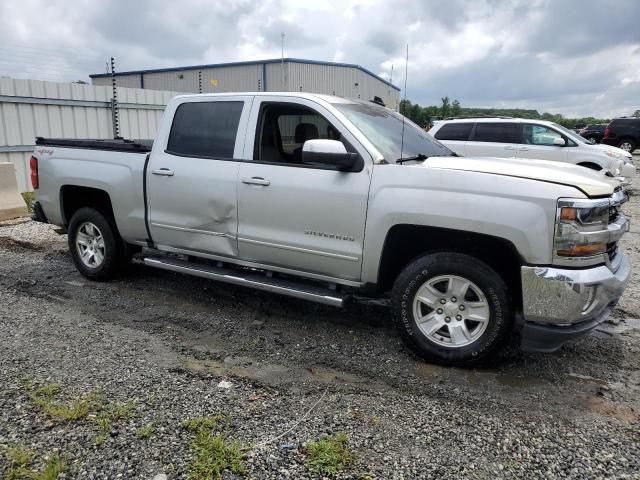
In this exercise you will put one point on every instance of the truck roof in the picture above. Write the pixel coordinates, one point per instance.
(310, 96)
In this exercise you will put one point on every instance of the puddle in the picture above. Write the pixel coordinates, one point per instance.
(479, 378)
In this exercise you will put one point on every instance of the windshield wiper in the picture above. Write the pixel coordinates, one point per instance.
(422, 156)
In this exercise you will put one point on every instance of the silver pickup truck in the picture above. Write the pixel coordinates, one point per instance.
(329, 199)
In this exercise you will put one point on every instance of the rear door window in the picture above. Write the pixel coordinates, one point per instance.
(455, 131)
(497, 132)
(205, 129)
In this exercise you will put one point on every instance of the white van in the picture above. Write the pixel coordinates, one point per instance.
(534, 139)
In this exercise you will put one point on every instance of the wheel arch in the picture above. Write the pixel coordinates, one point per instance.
(405, 242)
(74, 197)
(591, 165)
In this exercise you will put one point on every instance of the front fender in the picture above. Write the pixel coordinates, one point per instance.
(519, 210)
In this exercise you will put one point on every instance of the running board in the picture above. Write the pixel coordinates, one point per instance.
(253, 280)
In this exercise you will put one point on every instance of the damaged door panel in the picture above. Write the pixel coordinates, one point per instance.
(192, 181)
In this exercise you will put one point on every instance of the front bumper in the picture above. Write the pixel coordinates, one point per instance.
(627, 172)
(561, 304)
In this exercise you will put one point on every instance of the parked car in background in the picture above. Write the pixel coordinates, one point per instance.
(324, 198)
(578, 126)
(593, 133)
(623, 133)
(532, 139)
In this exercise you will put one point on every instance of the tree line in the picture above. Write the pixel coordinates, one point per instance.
(426, 115)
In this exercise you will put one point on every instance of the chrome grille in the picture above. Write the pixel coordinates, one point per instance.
(618, 198)
(613, 213)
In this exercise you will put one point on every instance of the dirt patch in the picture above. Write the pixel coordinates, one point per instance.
(608, 408)
(13, 244)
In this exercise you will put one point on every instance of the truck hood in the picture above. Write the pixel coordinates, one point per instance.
(590, 182)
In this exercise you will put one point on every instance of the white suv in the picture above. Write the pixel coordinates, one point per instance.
(534, 139)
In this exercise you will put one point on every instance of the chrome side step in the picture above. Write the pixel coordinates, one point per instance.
(253, 280)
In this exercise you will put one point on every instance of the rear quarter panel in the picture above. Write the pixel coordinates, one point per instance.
(120, 174)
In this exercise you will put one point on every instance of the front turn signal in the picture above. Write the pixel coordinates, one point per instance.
(585, 250)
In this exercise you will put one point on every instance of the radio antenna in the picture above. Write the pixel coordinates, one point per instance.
(406, 71)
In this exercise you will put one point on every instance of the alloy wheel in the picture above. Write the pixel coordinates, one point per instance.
(451, 311)
(90, 245)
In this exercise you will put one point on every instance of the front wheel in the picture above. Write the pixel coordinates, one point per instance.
(451, 308)
(94, 244)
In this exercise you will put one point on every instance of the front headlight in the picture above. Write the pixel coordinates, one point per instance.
(625, 157)
(581, 229)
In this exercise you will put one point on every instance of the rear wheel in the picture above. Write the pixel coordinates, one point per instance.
(627, 145)
(94, 244)
(451, 308)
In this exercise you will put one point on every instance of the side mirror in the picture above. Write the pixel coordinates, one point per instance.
(328, 152)
(560, 142)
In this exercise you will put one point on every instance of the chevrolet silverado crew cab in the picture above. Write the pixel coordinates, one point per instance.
(532, 139)
(329, 199)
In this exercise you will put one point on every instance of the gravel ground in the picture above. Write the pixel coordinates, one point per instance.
(298, 372)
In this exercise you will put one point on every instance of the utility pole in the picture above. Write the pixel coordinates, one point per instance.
(282, 59)
(114, 101)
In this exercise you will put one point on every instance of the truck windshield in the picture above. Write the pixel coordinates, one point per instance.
(383, 128)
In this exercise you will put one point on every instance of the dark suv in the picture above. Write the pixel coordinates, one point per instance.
(623, 133)
(593, 133)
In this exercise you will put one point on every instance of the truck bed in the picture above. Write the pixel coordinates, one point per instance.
(117, 144)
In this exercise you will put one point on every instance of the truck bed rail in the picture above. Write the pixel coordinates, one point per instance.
(117, 144)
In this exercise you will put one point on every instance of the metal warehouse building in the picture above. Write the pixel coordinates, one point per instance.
(277, 75)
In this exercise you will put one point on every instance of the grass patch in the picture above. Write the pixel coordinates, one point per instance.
(121, 411)
(28, 199)
(146, 431)
(111, 414)
(329, 456)
(204, 423)
(20, 456)
(44, 399)
(21, 462)
(212, 451)
(212, 455)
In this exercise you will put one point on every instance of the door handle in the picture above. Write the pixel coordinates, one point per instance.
(523, 149)
(256, 181)
(509, 148)
(163, 172)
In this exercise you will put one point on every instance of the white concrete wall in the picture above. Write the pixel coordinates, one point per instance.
(34, 108)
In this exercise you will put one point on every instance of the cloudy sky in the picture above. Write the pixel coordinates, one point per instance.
(577, 57)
